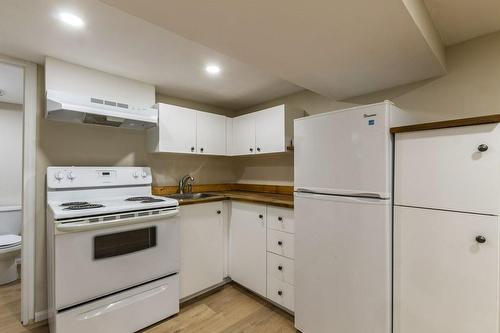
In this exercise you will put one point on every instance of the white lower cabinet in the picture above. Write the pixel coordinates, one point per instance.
(247, 241)
(445, 272)
(202, 247)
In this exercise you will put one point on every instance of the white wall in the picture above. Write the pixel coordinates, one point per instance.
(11, 153)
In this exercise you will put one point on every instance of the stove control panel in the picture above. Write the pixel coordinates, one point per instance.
(85, 177)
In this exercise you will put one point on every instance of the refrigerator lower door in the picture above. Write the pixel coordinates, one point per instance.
(342, 264)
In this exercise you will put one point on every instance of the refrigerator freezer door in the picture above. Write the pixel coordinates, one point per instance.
(342, 264)
(345, 152)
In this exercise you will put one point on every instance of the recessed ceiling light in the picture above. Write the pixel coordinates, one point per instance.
(212, 69)
(71, 19)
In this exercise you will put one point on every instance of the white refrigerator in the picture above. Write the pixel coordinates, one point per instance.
(343, 187)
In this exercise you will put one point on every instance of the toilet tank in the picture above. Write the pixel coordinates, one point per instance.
(10, 220)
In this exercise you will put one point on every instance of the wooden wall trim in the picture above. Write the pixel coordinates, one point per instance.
(495, 118)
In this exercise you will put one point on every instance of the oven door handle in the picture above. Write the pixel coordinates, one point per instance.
(87, 226)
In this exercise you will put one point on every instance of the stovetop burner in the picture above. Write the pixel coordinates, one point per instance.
(74, 203)
(139, 198)
(84, 206)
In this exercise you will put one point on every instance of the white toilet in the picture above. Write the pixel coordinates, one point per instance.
(10, 242)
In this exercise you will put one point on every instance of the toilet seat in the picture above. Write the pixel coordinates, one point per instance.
(9, 241)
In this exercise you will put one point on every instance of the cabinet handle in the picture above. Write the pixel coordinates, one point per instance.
(280, 243)
(480, 239)
(201, 150)
(251, 149)
(280, 268)
(192, 148)
(258, 149)
(280, 219)
(261, 216)
(482, 147)
(280, 292)
(218, 212)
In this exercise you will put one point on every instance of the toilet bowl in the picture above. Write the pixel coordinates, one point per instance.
(10, 242)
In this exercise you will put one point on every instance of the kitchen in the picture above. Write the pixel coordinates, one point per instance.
(471, 75)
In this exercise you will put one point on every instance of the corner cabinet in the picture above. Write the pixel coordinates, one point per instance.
(187, 131)
(264, 132)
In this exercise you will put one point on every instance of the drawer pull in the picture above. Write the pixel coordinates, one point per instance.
(280, 219)
(261, 216)
(218, 212)
(481, 239)
(280, 243)
(482, 147)
(280, 268)
(280, 292)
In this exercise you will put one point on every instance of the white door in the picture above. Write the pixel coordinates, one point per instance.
(247, 237)
(347, 152)
(270, 130)
(444, 279)
(446, 169)
(202, 251)
(177, 129)
(211, 133)
(342, 264)
(244, 134)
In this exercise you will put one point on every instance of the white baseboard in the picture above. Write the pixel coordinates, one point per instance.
(41, 316)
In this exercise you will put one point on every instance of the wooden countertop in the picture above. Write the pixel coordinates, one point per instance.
(495, 118)
(275, 195)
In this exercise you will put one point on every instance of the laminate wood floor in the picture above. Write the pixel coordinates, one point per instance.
(232, 309)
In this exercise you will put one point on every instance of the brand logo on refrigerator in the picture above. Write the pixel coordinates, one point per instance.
(371, 122)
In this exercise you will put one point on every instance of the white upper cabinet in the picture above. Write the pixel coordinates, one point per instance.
(176, 131)
(244, 135)
(452, 169)
(266, 131)
(270, 130)
(211, 133)
(183, 130)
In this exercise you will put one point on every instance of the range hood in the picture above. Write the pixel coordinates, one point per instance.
(66, 107)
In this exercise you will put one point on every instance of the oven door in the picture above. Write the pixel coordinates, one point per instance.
(95, 263)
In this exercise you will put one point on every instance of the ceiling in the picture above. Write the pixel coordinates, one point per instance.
(338, 48)
(116, 42)
(11, 84)
(461, 20)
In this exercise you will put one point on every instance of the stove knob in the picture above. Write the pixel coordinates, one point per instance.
(136, 174)
(59, 175)
(70, 175)
(144, 174)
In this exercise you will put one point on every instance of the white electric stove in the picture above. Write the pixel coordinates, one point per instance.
(113, 250)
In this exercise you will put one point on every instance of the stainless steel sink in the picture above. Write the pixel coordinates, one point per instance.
(190, 196)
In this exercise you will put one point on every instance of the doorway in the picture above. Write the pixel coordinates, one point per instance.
(18, 110)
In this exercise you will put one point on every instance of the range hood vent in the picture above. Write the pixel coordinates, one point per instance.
(66, 107)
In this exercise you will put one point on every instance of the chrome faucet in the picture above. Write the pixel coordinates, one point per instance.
(186, 181)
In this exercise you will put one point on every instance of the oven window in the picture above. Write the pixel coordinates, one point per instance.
(121, 243)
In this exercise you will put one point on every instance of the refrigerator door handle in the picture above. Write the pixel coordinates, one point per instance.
(369, 195)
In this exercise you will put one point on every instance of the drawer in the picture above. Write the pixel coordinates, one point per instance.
(281, 243)
(451, 169)
(281, 219)
(281, 268)
(280, 292)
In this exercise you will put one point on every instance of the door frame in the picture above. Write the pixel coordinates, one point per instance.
(29, 187)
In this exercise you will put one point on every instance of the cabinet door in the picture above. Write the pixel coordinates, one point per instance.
(444, 279)
(202, 247)
(244, 135)
(247, 232)
(177, 129)
(211, 133)
(270, 130)
(452, 169)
